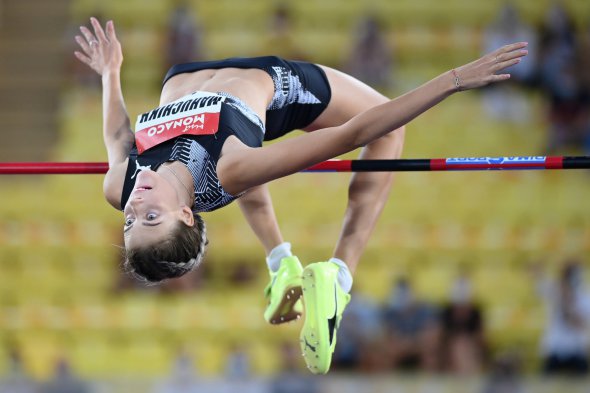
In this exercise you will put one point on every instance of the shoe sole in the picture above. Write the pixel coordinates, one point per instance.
(314, 338)
(285, 310)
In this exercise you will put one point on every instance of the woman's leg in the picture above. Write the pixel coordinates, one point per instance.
(284, 289)
(257, 208)
(368, 191)
(325, 286)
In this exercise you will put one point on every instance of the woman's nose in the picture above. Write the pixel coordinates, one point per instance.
(135, 201)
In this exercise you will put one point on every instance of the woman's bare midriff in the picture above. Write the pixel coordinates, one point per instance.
(253, 86)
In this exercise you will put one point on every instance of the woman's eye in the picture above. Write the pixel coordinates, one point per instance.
(128, 221)
(151, 216)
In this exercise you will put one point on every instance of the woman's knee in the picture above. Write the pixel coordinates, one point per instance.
(369, 187)
(389, 146)
(395, 137)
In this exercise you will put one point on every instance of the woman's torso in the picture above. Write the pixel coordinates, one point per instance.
(253, 86)
(270, 88)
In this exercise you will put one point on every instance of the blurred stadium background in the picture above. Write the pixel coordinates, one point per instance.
(64, 298)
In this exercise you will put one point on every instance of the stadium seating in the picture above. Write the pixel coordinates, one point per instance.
(60, 263)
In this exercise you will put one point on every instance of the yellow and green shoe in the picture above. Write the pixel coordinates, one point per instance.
(283, 292)
(324, 302)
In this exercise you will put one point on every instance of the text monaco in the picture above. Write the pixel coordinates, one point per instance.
(181, 106)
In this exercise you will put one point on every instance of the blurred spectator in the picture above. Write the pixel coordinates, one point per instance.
(505, 375)
(583, 77)
(183, 378)
(242, 273)
(238, 363)
(560, 80)
(183, 43)
(239, 376)
(412, 330)
(64, 381)
(17, 380)
(566, 338)
(507, 101)
(463, 331)
(291, 379)
(281, 40)
(359, 337)
(371, 57)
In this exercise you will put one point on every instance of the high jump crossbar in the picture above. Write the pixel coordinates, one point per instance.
(403, 165)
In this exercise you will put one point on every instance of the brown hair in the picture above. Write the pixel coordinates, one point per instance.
(173, 257)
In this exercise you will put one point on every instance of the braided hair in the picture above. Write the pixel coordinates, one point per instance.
(173, 257)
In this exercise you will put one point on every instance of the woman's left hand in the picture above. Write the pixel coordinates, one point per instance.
(486, 70)
(101, 51)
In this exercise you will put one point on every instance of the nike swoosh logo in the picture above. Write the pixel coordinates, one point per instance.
(332, 321)
(308, 345)
(268, 289)
(274, 279)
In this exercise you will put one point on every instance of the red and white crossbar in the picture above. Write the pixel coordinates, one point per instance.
(405, 165)
(454, 164)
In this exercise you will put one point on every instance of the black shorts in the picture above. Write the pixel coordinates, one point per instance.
(302, 90)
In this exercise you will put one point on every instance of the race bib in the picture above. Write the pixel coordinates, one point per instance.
(194, 114)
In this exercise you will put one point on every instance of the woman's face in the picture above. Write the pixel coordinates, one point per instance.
(153, 210)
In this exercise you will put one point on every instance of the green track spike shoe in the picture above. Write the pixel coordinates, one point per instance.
(324, 302)
(283, 292)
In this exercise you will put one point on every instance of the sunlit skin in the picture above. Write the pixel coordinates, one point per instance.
(156, 205)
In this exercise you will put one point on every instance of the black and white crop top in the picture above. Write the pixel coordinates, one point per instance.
(301, 93)
(199, 153)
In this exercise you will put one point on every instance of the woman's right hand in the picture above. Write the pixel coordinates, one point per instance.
(100, 51)
(483, 71)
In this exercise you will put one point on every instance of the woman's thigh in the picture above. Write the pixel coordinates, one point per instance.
(349, 98)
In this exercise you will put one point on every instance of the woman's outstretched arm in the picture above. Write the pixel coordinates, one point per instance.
(101, 51)
(241, 169)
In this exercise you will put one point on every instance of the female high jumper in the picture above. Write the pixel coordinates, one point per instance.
(201, 149)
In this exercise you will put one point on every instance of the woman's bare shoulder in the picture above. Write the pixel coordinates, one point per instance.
(113, 184)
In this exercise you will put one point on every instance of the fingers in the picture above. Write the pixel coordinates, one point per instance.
(93, 39)
(505, 64)
(88, 35)
(84, 59)
(511, 55)
(83, 44)
(98, 30)
(509, 63)
(508, 59)
(507, 56)
(508, 52)
(510, 48)
(499, 78)
(112, 36)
